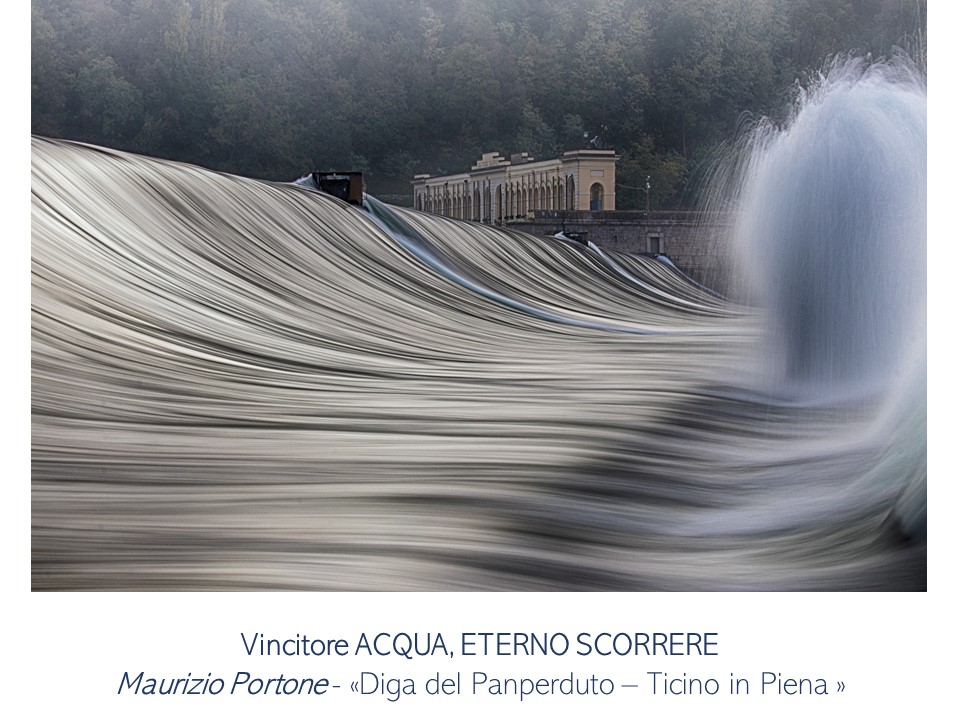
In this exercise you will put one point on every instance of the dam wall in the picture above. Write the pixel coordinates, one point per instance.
(694, 241)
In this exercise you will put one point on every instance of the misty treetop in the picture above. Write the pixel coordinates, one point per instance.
(276, 88)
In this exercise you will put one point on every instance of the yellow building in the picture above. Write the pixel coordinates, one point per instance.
(497, 190)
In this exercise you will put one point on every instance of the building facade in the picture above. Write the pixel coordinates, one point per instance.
(497, 190)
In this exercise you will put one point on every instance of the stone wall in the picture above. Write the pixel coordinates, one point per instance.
(693, 242)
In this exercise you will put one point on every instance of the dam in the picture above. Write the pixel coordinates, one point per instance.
(239, 384)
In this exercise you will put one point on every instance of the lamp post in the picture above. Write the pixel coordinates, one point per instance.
(648, 196)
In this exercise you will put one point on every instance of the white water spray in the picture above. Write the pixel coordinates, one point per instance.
(832, 231)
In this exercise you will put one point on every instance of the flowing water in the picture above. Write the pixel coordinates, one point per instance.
(240, 384)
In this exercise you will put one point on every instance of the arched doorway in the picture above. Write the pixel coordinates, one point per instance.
(596, 197)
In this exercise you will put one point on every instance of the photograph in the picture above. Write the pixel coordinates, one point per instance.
(536, 296)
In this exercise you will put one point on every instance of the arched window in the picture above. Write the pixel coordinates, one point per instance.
(596, 196)
(571, 194)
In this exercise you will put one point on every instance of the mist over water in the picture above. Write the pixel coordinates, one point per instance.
(242, 385)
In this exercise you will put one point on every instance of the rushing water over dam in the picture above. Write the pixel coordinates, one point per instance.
(240, 384)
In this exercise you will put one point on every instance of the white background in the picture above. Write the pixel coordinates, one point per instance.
(890, 651)
(895, 653)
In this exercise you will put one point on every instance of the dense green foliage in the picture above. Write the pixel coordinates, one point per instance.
(275, 88)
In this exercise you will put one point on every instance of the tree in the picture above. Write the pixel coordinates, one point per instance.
(110, 107)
